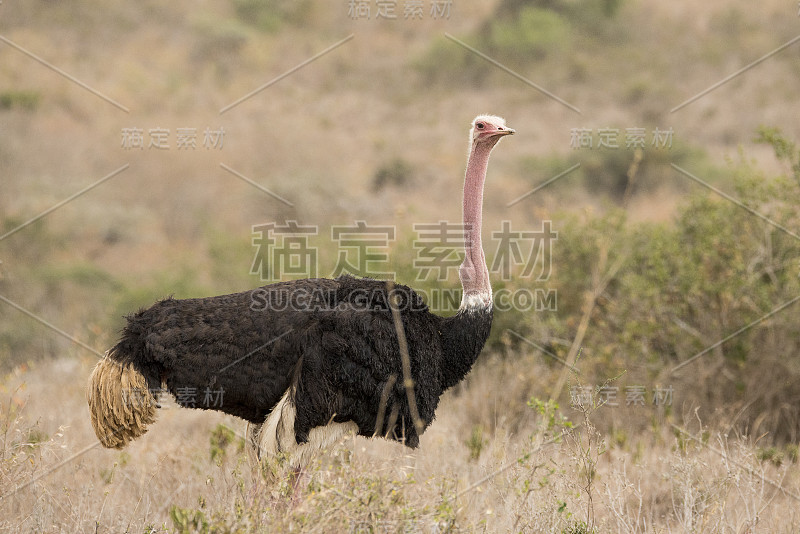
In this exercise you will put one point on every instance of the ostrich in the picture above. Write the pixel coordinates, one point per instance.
(306, 361)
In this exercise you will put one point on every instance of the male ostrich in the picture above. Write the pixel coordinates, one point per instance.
(305, 361)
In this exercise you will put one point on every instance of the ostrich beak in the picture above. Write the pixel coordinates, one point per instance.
(507, 131)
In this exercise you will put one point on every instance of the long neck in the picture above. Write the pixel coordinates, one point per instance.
(465, 333)
(473, 271)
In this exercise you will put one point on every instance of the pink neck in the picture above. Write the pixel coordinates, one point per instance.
(473, 271)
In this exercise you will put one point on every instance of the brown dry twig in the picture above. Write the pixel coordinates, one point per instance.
(408, 382)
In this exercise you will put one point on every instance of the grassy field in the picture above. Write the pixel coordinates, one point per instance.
(675, 268)
(480, 467)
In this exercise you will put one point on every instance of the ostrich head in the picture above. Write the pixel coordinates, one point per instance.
(488, 129)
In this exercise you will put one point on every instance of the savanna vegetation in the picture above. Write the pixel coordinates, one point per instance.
(653, 387)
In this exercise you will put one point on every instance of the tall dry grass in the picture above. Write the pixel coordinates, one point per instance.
(189, 474)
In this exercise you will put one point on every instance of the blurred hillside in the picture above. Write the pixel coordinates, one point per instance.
(398, 91)
(651, 267)
(372, 130)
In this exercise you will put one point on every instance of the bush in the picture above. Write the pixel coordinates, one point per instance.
(216, 39)
(25, 100)
(706, 288)
(530, 35)
(618, 174)
(396, 172)
(269, 16)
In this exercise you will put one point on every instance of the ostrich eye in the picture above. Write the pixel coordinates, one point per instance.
(480, 126)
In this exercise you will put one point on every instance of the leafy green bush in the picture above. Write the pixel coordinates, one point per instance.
(591, 8)
(269, 16)
(618, 174)
(705, 291)
(188, 521)
(221, 437)
(26, 100)
(529, 35)
(447, 63)
(521, 33)
(397, 172)
(218, 39)
(532, 34)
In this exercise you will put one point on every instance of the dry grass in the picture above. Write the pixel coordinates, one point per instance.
(56, 477)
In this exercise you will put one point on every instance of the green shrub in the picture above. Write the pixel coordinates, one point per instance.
(218, 39)
(475, 443)
(530, 35)
(706, 284)
(578, 527)
(25, 100)
(188, 521)
(269, 16)
(397, 173)
(448, 63)
(221, 437)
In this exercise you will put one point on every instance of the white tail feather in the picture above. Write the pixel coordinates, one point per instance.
(276, 438)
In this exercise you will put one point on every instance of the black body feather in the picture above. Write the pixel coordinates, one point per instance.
(335, 338)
